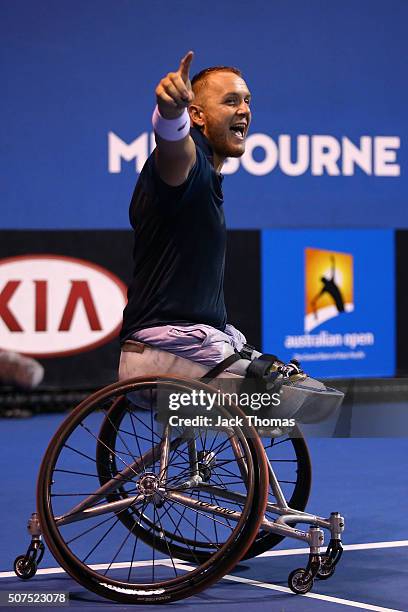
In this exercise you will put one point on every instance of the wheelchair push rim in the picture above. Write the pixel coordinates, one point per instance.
(58, 485)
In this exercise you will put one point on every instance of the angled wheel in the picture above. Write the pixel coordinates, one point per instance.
(115, 508)
(288, 456)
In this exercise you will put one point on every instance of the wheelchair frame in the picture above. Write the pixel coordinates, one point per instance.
(252, 464)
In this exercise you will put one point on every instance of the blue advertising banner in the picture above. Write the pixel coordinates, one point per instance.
(328, 300)
(330, 93)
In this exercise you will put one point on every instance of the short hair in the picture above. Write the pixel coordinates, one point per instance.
(199, 80)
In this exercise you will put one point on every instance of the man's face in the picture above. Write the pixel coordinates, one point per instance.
(225, 113)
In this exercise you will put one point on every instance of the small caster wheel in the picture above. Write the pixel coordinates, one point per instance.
(325, 571)
(24, 570)
(297, 583)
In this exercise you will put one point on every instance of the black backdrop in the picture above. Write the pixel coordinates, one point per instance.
(112, 250)
(402, 301)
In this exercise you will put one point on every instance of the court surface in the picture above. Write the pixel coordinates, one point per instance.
(365, 479)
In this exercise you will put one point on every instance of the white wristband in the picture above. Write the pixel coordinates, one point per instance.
(171, 129)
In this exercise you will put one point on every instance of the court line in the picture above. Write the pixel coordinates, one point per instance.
(257, 583)
(268, 553)
(97, 566)
(251, 582)
(304, 551)
(327, 598)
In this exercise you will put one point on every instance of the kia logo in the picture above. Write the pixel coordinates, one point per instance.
(52, 305)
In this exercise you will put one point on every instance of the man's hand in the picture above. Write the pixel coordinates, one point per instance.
(174, 159)
(174, 91)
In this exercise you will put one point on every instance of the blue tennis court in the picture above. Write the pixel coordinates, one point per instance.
(365, 478)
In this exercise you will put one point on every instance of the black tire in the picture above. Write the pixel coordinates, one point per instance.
(24, 570)
(60, 481)
(326, 569)
(295, 579)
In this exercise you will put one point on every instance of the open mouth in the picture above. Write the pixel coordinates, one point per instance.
(239, 130)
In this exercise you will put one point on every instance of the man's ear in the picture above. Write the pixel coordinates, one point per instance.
(196, 115)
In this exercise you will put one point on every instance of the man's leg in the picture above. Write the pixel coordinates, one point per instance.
(189, 351)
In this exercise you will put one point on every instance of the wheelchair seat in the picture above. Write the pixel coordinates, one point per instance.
(301, 397)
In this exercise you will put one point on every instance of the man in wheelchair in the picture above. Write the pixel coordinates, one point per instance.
(135, 509)
(175, 321)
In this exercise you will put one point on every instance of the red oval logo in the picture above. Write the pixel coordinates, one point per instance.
(52, 305)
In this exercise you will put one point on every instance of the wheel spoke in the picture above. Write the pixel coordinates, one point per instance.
(141, 506)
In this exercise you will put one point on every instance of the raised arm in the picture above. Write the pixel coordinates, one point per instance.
(175, 152)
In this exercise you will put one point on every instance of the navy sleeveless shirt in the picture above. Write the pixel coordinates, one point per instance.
(179, 248)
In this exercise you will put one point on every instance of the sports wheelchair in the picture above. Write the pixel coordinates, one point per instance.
(141, 507)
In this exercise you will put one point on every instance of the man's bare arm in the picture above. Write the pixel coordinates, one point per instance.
(174, 159)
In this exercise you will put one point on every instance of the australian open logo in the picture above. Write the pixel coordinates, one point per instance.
(329, 286)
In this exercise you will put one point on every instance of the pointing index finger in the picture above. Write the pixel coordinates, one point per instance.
(184, 68)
